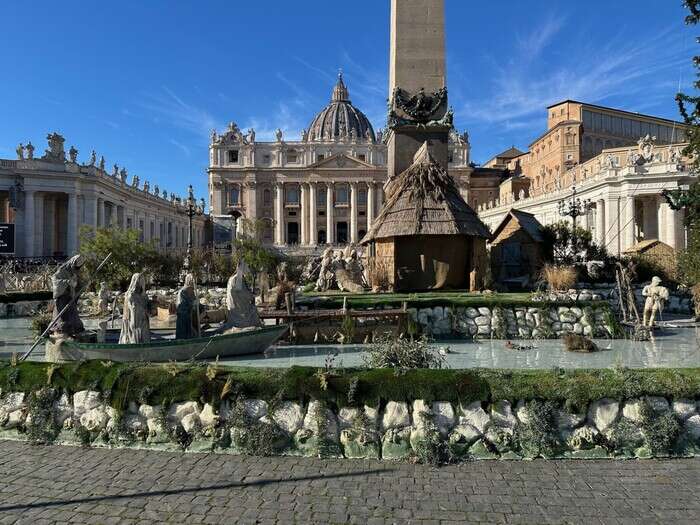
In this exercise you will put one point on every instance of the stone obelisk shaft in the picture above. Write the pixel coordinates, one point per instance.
(417, 73)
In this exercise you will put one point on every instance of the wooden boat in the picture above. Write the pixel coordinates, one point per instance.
(244, 342)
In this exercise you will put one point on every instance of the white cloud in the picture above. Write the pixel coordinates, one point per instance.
(182, 147)
(169, 107)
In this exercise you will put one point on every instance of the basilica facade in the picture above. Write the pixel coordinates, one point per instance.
(323, 188)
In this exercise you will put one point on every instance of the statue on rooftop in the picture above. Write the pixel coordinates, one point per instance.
(93, 158)
(135, 181)
(251, 135)
(214, 136)
(147, 187)
(55, 153)
(20, 151)
(279, 135)
(115, 171)
(67, 287)
(135, 322)
(656, 298)
(187, 307)
(240, 301)
(304, 135)
(30, 150)
(123, 175)
(646, 147)
(73, 154)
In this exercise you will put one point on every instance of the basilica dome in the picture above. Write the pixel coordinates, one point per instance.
(340, 120)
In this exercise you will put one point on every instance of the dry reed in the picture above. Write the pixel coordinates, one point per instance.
(559, 278)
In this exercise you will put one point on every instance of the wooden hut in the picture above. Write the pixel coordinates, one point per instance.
(517, 247)
(426, 236)
(656, 254)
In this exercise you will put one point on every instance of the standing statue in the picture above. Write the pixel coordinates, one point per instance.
(123, 175)
(102, 163)
(355, 269)
(187, 310)
(67, 287)
(93, 158)
(326, 277)
(240, 301)
(20, 151)
(73, 155)
(115, 171)
(30, 150)
(103, 299)
(657, 296)
(135, 322)
(279, 135)
(251, 135)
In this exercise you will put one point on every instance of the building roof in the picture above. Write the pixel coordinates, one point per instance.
(527, 222)
(340, 119)
(606, 108)
(425, 201)
(645, 245)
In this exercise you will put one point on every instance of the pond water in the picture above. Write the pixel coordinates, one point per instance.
(676, 345)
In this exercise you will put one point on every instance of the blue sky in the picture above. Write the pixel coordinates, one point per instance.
(143, 82)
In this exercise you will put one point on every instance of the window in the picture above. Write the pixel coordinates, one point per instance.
(267, 197)
(569, 139)
(292, 214)
(266, 159)
(233, 156)
(292, 195)
(292, 157)
(322, 214)
(341, 194)
(321, 197)
(321, 157)
(362, 157)
(362, 197)
(234, 196)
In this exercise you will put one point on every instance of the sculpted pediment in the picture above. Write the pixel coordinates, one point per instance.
(341, 161)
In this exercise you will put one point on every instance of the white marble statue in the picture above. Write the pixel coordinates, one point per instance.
(30, 150)
(656, 297)
(135, 322)
(326, 277)
(20, 152)
(103, 299)
(240, 301)
(187, 304)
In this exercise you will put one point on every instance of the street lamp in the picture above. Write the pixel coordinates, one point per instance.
(192, 209)
(574, 207)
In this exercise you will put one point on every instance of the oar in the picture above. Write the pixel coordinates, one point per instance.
(58, 316)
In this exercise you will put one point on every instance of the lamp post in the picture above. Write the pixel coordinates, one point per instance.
(192, 209)
(574, 207)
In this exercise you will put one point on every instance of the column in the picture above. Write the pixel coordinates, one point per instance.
(600, 222)
(675, 233)
(629, 224)
(353, 213)
(39, 225)
(279, 215)
(303, 223)
(330, 215)
(313, 214)
(651, 230)
(371, 205)
(113, 216)
(91, 211)
(29, 223)
(49, 222)
(72, 230)
(100, 213)
(612, 227)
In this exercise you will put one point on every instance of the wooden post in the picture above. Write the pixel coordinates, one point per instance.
(288, 302)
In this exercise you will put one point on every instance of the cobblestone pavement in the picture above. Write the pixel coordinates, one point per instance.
(73, 485)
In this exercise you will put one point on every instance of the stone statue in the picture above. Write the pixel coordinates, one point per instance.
(156, 191)
(240, 301)
(55, 153)
(214, 136)
(115, 171)
(30, 150)
(656, 297)
(351, 278)
(135, 181)
(304, 135)
(147, 187)
(20, 151)
(673, 156)
(251, 135)
(123, 175)
(73, 155)
(279, 135)
(103, 299)
(609, 161)
(187, 305)
(326, 277)
(135, 322)
(67, 287)
(102, 163)
(380, 136)
(646, 148)
(93, 158)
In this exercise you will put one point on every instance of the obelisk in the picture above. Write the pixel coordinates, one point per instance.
(418, 109)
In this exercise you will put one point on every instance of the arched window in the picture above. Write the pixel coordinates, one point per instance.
(267, 197)
(234, 195)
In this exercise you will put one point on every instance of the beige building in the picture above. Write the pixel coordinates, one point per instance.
(325, 187)
(50, 198)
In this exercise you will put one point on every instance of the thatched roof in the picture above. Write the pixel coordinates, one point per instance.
(424, 200)
(527, 222)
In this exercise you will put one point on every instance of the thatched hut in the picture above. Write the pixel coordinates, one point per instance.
(426, 236)
(517, 247)
(658, 255)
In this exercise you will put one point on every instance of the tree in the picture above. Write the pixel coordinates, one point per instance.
(248, 248)
(129, 255)
(558, 244)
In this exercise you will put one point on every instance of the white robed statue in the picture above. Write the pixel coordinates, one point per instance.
(135, 322)
(240, 301)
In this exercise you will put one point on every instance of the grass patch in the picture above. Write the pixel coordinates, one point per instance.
(161, 385)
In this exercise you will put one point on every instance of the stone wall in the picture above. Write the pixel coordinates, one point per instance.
(22, 308)
(438, 431)
(502, 322)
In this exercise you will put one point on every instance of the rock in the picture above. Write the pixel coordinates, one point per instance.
(692, 428)
(318, 415)
(289, 416)
(502, 414)
(422, 414)
(684, 408)
(84, 401)
(396, 415)
(149, 411)
(484, 330)
(482, 321)
(485, 311)
(208, 418)
(603, 413)
(567, 421)
(12, 420)
(583, 438)
(178, 411)
(521, 412)
(480, 450)
(443, 416)
(578, 329)
(157, 434)
(372, 414)
(658, 404)
(255, 408)
(191, 423)
(396, 444)
(360, 444)
(136, 425)
(577, 312)
(475, 416)
(501, 437)
(473, 313)
(463, 437)
(62, 410)
(556, 326)
(12, 402)
(94, 420)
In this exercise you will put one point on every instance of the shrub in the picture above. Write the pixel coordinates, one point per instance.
(403, 354)
(41, 321)
(559, 277)
(379, 274)
(537, 436)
